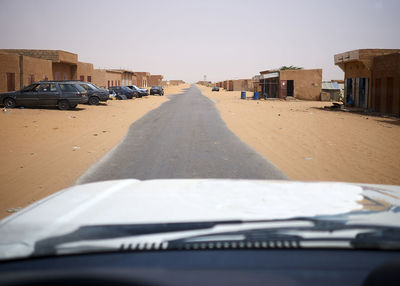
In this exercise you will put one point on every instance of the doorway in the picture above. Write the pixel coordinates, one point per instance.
(290, 88)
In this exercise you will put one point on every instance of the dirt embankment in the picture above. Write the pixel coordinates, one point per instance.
(310, 143)
(43, 150)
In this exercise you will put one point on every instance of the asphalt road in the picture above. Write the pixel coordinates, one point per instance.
(183, 138)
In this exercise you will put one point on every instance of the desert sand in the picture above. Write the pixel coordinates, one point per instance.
(312, 144)
(44, 150)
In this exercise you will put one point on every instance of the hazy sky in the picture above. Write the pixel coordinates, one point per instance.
(189, 39)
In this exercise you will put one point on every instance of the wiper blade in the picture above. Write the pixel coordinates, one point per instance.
(48, 246)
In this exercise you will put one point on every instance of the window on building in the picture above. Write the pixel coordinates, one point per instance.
(89, 78)
(82, 78)
(112, 83)
(10, 81)
(119, 83)
(45, 77)
(57, 76)
(65, 76)
(108, 83)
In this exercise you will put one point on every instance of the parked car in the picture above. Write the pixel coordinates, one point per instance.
(95, 94)
(156, 90)
(113, 95)
(141, 91)
(215, 88)
(123, 90)
(63, 94)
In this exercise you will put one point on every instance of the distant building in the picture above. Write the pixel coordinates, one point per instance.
(142, 79)
(176, 82)
(371, 79)
(155, 80)
(330, 91)
(107, 77)
(300, 84)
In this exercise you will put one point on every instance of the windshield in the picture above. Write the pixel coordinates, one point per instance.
(223, 111)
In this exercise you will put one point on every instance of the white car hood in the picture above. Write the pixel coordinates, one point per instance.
(157, 201)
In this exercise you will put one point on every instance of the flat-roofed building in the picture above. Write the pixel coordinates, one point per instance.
(155, 80)
(18, 70)
(142, 79)
(107, 77)
(298, 83)
(64, 64)
(85, 71)
(361, 89)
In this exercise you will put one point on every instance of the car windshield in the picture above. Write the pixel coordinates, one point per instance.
(212, 121)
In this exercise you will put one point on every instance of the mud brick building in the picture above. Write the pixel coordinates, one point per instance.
(142, 79)
(107, 77)
(155, 80)
(21, 67)
(372, 79)
(301, 84)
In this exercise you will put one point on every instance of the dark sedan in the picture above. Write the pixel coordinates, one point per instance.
(140, 91)
(65, 95)
(156, 90)
(215, 88)
(95, 94)
(123, 90)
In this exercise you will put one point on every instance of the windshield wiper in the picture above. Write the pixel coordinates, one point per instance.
(48, 246)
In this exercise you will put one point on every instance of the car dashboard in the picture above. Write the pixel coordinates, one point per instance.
(208, 267)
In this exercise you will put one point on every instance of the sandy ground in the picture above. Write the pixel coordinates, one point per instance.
(43, 150)
(309, 143)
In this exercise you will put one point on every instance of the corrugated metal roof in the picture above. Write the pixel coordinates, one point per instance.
(330, 85)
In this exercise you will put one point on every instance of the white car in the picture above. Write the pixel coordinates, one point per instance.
(205, 232)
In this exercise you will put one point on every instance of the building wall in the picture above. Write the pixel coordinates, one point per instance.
(225, 85)
(37, 69)
(307, 83)
(176, 82)
(386, 84)
(85, 71)
(356, 69)
(25, 69)
(134, 79)
(142, 79)
(241, 84)
(106, 78)
(99, 78)
(154, 80)
(9, 63)
(53, 55)
(63, 71)
(113, 78)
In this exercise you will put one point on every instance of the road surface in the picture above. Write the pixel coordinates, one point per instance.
(183, 138)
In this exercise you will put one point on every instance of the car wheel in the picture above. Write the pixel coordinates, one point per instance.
(63, 104)
(94, 100)
(9, 102)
